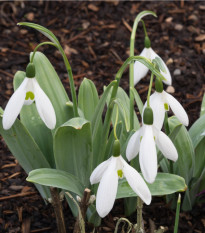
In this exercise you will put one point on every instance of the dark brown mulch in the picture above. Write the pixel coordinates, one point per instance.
(95, 36)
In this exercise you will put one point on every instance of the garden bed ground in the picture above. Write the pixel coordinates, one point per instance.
(95, 36)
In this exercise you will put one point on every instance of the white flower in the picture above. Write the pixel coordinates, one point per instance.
(143, 142)
(141, 70)
(28, 92)
(107, 173)
(160, 103)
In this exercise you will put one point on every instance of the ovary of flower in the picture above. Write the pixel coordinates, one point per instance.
(28, 92)
(144, 142)
(141, 70)
(160, 102)
(107, 173)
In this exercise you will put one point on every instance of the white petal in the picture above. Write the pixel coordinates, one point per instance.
(14, 105)
(44, 106)
(148, 155)
(98, 172)
(167, 75)
(133, 145)
(107, 189)
(177, 109)
(136, 182)
(140, 70)
(157, 105)
(166, 146)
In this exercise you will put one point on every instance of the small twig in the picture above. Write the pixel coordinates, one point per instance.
(84, 203)
(17, 195)
(57, 205)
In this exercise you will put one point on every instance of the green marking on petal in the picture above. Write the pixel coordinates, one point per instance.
(166, 107)
(154, 138)
(120, 173)
(140, 138)
(30, 95)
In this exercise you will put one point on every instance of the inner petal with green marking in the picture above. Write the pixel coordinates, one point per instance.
(30, 95)
(120, 173)
(166, 106)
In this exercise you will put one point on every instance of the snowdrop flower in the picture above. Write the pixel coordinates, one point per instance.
(107, 173)
(28, 92)
(144, 142)
(160, 101)
(141, 70)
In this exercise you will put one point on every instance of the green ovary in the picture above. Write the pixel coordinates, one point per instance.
(120, 173)
(166, 106)
(30, 95)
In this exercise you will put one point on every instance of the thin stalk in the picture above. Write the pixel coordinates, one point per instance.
(176, 224)
(115, 126)
(38, 46)
(144, 27)
(57, 205)
(150, 89)
(139, 228)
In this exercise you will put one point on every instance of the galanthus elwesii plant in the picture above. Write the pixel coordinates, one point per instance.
(69, 146)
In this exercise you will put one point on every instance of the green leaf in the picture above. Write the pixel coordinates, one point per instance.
(199, 158)
(88, 98)
(138, 100)
(203, 106)
(36, 127)
(160, 64)
(73, 149)
(184, 166)
(25, 150)
(163, 185)
(43, 30)
(197, 131)
(56, 178)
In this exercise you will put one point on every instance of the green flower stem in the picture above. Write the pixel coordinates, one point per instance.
(150, 88)
(131, 74)
(115, 126)
(177, 214)
(69, 70)
(38, 46)
(144, 27)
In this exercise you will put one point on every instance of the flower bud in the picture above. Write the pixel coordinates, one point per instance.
(30, 70)
(148, 116)
(158, 85)
(116, 148)
(147, 42)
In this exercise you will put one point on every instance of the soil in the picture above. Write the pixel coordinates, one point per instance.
(95, 37)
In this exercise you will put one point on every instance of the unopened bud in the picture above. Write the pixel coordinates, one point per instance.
(148, 116)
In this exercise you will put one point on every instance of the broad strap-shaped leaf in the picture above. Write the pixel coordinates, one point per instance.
(88, 98)
(197, 131)
(56, 178)
(25, 150)
(36, 127)
(185, 164)
(164, 184)
(73, 149)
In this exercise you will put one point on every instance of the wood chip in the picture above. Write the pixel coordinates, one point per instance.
(93, 8)
(200, 37)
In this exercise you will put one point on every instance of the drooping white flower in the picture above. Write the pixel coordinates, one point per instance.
(144, 142)
(107, 173)
(141, 70)
(160, 103)
(28, 92)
